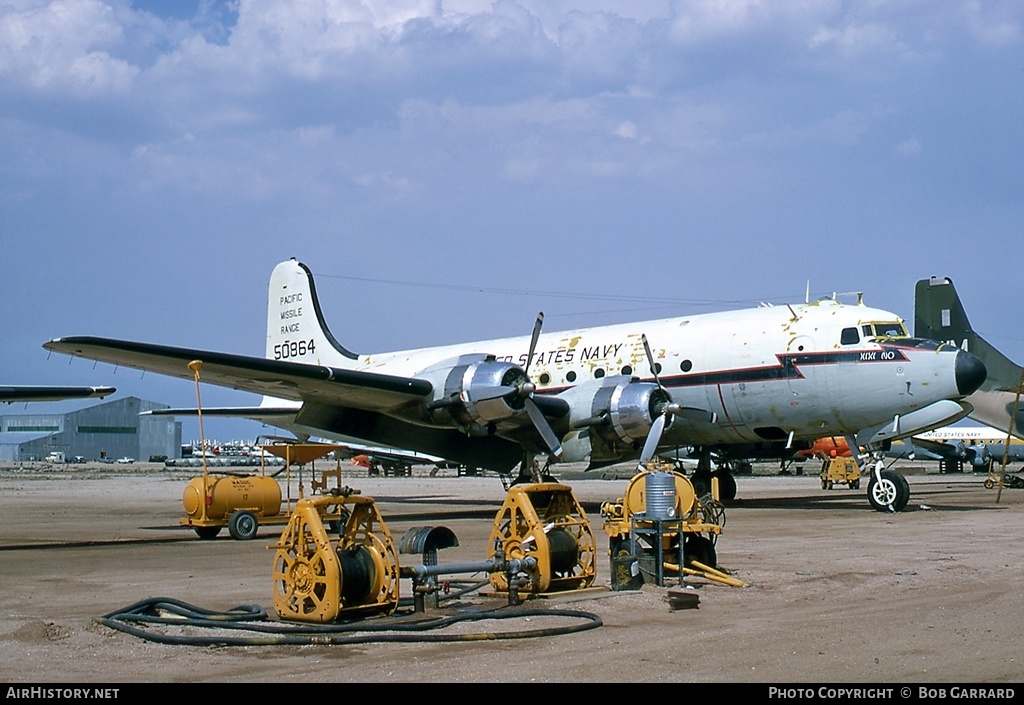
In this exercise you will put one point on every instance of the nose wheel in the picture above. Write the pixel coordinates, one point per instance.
(888, 491)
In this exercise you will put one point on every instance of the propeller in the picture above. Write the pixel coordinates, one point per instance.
(526, 388)
(668, 410)
(523, 389)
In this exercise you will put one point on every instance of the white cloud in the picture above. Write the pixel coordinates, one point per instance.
(63, 46)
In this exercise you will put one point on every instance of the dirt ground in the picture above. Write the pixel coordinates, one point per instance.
(838, 593)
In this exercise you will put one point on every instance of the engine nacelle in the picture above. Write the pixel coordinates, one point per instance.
(469, 391)
(621, 413)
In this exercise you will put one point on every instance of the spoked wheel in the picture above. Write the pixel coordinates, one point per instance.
(891, 494)
(243, 525)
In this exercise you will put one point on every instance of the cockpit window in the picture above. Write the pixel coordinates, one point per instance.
(849, 336)
(885, 329)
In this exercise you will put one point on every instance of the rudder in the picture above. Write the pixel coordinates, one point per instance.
(296, 330)
(939, 315)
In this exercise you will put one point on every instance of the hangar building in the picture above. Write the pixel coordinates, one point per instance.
(111, 430)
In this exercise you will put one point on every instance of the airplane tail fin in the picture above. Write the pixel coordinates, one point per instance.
(296, 330)
(939, 315)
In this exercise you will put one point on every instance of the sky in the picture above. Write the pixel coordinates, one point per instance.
(447, 169)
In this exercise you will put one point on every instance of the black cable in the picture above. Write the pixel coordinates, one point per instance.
(252, 618)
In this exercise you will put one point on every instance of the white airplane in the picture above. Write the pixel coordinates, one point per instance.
(765, 379)
(12, 393)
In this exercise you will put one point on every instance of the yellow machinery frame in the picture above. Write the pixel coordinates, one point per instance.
(316, 580)
(694, 517)
(544, 521)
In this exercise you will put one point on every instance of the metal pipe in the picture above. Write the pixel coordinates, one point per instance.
(491, 565)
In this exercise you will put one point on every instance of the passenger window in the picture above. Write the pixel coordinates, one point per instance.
(849, 336)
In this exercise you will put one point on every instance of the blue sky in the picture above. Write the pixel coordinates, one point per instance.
(448, 169)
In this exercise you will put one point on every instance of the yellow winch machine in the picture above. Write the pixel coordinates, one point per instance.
(541, 542)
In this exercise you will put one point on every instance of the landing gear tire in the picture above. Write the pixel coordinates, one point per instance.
(726, 485)
(891, 494)
(701, 481)
(989, 484)
(243, 526)
(206, 533)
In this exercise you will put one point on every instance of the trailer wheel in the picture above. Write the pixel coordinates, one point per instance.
(207, 533)
(243, 525)
(701, 549)
(892, 492)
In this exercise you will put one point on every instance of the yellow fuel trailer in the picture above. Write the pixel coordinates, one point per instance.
(243, 502)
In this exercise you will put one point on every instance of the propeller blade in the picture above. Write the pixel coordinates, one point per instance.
(650, 360)
(533, 340)
(653, 439)
(543, 428)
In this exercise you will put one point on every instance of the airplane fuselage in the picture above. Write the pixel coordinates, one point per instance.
(770, 374)
(769, 378)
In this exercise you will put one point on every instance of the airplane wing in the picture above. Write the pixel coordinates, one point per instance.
(353, 404)
(15, 393)
(366, 391)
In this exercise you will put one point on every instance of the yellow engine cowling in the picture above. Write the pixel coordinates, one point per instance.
(227, 493)
(317, 580)
(544, 521)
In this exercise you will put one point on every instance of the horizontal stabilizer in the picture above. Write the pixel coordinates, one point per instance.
(37, 393)
(240, 412)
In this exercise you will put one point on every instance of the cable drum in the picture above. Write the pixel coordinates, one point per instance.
(358, 574)
(565, 550)
(660, 493)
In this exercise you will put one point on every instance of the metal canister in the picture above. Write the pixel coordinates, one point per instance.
(660, 495)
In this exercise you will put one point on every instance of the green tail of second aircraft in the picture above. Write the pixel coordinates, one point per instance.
(939, 315)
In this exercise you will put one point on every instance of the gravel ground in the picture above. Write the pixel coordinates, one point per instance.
(837, 592)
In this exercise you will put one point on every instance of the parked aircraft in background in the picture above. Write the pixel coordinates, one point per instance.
(765, 379)
(939, 315)
(976, 447)
(13, 393)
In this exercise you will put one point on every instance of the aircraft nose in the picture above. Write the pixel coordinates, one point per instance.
(970, 372)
